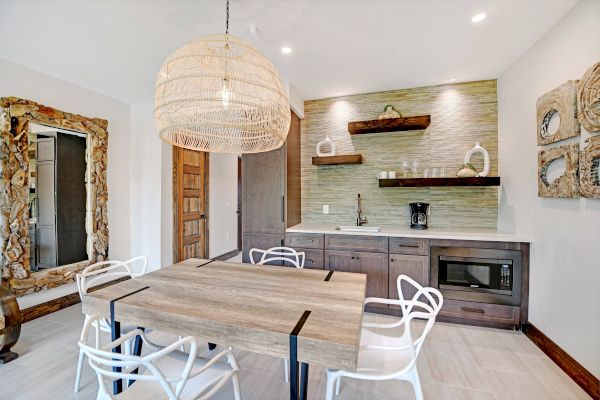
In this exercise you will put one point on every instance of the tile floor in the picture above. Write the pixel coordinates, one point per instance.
(457, 362)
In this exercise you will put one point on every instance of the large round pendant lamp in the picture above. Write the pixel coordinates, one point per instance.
(220, 94)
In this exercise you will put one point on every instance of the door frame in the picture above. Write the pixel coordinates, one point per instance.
(178, 225)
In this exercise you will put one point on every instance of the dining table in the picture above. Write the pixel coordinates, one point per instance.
(311, 316)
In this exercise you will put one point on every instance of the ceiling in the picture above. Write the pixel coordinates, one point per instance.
(339, 47)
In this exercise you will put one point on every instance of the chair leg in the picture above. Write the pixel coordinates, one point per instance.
(286, 367)
(79, 367)
(337, 385)
(182, 347)
(236, 386)
(329, 392)
(416, 383)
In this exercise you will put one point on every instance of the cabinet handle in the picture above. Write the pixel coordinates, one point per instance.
(283, 208)
(392, 260)
(472, 310)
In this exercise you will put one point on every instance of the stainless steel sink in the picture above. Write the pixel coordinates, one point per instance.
(351, 228)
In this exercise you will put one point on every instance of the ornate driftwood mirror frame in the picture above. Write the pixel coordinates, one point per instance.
(15, 116)
(567, 185)
(561, 101)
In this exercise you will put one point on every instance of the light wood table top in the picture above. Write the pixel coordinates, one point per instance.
(249, 307)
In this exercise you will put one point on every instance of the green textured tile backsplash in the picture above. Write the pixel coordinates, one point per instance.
(461, 115)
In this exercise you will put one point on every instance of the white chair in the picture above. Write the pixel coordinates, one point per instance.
(164, 372)
(286, 254)
(99, 273)
(385, 357)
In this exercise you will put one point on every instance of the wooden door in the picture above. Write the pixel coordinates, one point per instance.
(190, 204)
(415, 267)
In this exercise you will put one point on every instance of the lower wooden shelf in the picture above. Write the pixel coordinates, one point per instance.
(430, 182)
(338, 160)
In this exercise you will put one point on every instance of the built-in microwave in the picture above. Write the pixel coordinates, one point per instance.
(475, 274)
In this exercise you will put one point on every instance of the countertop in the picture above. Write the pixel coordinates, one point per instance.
(491, 235)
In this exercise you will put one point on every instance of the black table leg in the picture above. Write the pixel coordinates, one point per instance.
(294, 368)
(137, 351)
(116, 334)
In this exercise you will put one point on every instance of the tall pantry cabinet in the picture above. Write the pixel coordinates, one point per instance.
(271, 193)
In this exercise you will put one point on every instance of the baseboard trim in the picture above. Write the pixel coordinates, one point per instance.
(227, 255)
(576, 371)
(39, 310)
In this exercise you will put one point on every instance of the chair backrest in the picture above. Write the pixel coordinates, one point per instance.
(108, 270)
(424, 305)
(286, 254)
(106, 363)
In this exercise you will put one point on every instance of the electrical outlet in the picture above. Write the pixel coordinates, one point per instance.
(325, 208)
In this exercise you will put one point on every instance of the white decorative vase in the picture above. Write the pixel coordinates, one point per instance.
(486, 158)
(326, 142)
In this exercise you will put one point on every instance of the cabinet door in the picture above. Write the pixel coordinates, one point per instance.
(46, 244)
(263, 192)
(416, 267)
(374, 265)
(261, 241)
(313, 259)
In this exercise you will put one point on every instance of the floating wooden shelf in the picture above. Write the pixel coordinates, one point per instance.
(425, 182)
(338, 160)
(389, 125)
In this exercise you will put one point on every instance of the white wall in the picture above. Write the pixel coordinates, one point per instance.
(19, 81)
(222, 224)
(565, 263)
(146, 185)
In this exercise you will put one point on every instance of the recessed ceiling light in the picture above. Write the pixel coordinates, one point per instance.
(478, 17)
(286, 50)
(452, 79)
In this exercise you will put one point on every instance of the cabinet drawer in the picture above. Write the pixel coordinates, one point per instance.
(482, 312)
(304, 240)
(314, 259)
(413, 246)
(374, 244)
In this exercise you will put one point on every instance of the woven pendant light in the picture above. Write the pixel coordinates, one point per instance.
(220, 94)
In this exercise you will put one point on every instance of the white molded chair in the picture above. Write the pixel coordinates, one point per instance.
(383, 357)
(99, 273)
(164, 372)
(286, 254)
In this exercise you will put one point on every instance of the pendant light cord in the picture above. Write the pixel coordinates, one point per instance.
(227, 18)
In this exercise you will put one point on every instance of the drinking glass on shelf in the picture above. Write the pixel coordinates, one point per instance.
(435, 172)
(415, 168)
(425, 172)
(442, 172)
(405, 168)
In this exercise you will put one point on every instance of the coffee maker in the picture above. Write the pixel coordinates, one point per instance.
(418, 215)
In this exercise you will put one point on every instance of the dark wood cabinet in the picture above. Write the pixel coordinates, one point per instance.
(415, 267)
(271, 193)
(314, 259)
(260, 241)
(374, 244)
(374, 265)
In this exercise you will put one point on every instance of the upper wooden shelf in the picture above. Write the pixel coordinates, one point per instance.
(389, 125)
(338, 160)
(429, 182)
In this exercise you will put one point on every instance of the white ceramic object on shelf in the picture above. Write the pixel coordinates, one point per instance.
(486, 158)
(326, 142)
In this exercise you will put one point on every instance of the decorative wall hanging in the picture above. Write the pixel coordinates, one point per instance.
(589, 168)
(329, 145)
(486, 160)
(220, 94)
(562, 100)
(588, 97)
(565, 186)
(389, 112)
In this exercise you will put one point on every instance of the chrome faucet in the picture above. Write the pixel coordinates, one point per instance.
(360, 220)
